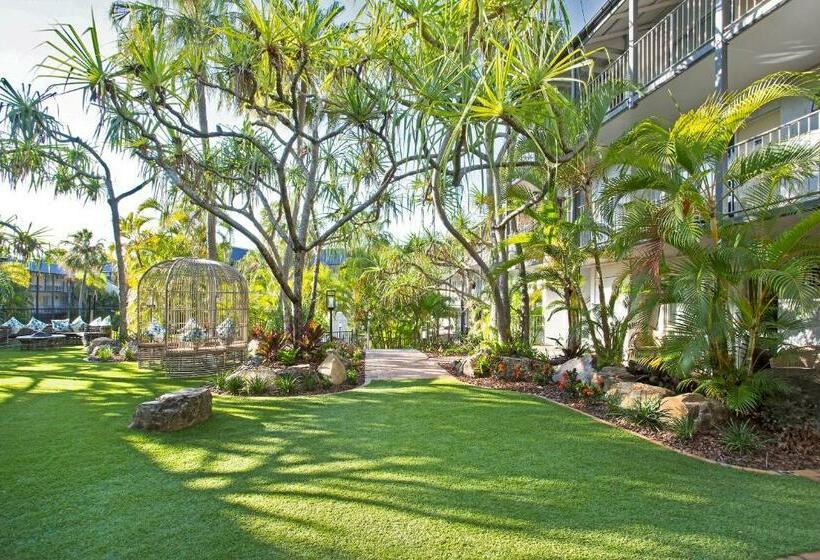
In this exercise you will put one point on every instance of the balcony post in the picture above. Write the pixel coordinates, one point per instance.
(632, 51)
(721, 54)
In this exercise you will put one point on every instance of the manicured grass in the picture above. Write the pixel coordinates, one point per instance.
(402, 469)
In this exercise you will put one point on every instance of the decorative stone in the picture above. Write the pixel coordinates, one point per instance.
(630, 392)
(101, 341)
(614, 374)
(333, 368)
(173, 411)
(468, 368)
(582, 366)
(706, 412)
(253, 348)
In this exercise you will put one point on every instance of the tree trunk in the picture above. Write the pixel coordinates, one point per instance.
(122, 279)
(82, 296)
(202, 110)
(314, 286)
(525, 297)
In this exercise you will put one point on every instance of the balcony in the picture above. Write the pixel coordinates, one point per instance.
(675, 42)
(804, 130)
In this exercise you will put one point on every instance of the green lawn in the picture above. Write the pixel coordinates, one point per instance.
(403, 469)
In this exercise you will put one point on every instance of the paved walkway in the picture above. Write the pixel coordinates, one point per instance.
(400, 364)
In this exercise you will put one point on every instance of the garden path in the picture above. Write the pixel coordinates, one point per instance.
(400, 364)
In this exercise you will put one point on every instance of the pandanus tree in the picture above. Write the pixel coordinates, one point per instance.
(479, 78)
(39, 150)
(307, 115)
(739, 285)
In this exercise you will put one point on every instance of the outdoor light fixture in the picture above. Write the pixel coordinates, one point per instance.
(330, 301)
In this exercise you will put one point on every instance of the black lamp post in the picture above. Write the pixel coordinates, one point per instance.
(330, 301)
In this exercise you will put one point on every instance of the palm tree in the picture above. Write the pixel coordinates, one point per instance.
(28, 243)
(728, 275)
(83, 255)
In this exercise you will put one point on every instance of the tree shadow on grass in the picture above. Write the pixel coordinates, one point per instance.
(423, 468)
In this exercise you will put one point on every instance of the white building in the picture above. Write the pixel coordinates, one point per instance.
(680, 53)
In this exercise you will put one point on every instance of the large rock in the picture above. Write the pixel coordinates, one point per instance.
(101, 341)
(173, 411)
(630, 392)
(706, 412)
(614, 374)
(333, 368)
(582, 367)
(469, 367)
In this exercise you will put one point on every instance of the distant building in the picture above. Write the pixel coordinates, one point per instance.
(51, 291)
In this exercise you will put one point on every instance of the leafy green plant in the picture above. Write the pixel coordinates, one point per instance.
(645, 413)
(542, 378)
(740, 437)
(219, 381)
(256, 385)
(325, 381)
(352, 376)
(683, 428)
(104, 353)
(481, 367)
(288, 383)
(740, 391)
(309, 383)
(234, 385)
(288, 356)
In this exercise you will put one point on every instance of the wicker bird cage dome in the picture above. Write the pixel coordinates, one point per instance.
(192, 317)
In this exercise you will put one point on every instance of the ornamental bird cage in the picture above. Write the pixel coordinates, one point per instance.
(192, 317)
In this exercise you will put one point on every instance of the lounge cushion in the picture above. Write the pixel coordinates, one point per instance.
(106, 321)
(155, 331)
(60, 325)
(78, 325)
(96, 322)
(13, 325)
(35, 324)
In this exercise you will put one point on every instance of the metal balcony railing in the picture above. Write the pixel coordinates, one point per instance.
(677, 37)
(805, 129)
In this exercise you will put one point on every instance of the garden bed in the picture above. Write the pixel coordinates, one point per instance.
(792, 448)
(321, 386)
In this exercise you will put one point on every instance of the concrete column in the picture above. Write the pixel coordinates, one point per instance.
(632, 51)
(721, 54)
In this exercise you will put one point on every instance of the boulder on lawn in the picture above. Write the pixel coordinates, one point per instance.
(582, 366)
(101, 341)
(333, 368)
(629, 393)
(173, 411)
(706, 412)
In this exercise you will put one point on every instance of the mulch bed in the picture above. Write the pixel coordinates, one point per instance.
(786, 449)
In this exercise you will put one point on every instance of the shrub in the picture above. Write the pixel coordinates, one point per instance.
(683, 428)
(288, 356)
(287, 383)
(352, 376)
(219, 381)
(234, 385)
(257, 385)
(104, 353)
(740, 437)
(325, 381)
(309, 343)
(482, 365)
(646, 413)
(542, 378)
(128, 353)
(310, 382)
(270, 342)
